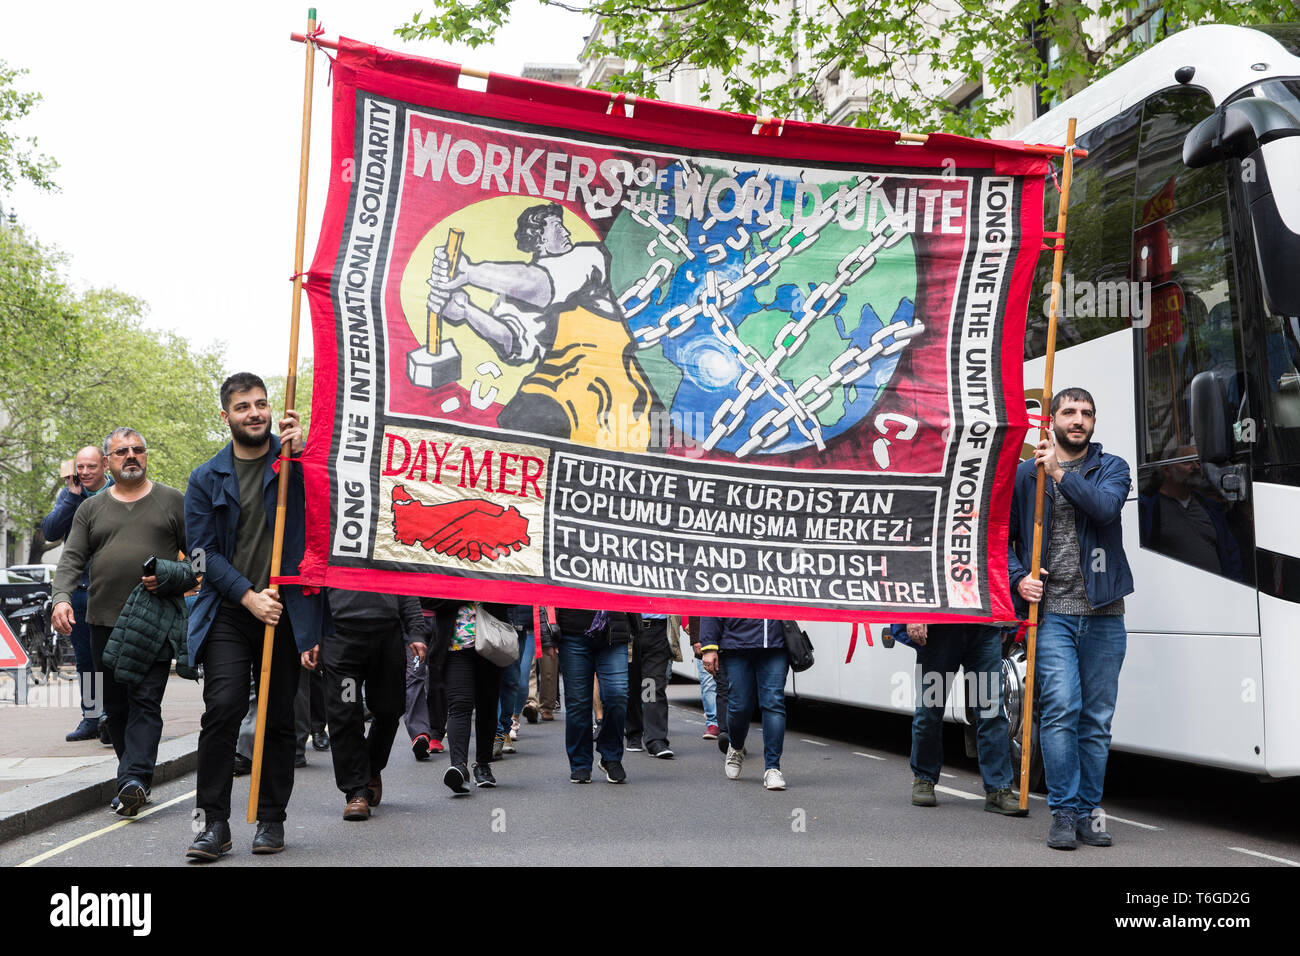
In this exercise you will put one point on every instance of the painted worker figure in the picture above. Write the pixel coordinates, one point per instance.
(558, 308)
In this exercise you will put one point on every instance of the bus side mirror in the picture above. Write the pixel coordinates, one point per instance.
(1209, 404)
(1237, 130)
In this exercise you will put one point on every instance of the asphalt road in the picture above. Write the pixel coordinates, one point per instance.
(847, 803)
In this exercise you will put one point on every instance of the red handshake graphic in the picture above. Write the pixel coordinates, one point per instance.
(471, 530)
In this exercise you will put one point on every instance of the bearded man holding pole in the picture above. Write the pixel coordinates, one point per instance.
(1081, 637)
(230, 510)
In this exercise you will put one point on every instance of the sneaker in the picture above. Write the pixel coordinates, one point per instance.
(508, 746)
(614, 771)
(498, 746)
(130, 798)
(1091, 829)
(483, 775)
(596, 728)
(773, 779)
(660, 750)
(634, 745)
(455, 778)
(923, 793)
(1005, 802)
(514, 727)
(710, 732)
(420, 747)
(530, 713)
(580, 776)
(1062, 835)
(86, 730)
(435, 745)
(735, 760)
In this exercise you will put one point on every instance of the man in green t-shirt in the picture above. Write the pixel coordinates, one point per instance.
(121, 528)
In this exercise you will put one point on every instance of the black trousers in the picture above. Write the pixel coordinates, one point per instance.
(376, 662)
(134, 713)
(473, 683)
(647, 683)
(234, 645)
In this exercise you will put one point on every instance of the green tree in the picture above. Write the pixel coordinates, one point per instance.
(18, 156)
(770, 54)
(74, 367)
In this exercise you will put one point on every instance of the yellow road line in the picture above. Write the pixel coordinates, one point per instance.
(108, 829)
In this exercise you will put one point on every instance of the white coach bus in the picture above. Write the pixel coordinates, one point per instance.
(1191, 184)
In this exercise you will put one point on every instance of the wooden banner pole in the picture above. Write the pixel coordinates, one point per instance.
(290, 387)
(1058, 265)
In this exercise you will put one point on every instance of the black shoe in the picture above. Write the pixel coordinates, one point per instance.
(420, 747)
(243, 766)
(1062, 834)
(596, 728)
(104, 737)
(614, 771)
(634, 745)
(657, 748)
(580, 776)
(724, 740)
(320, 739)
(455, 778)
(483, 775)
(299, 761)
(86, 730)
(269, 838)
(131, 798)
(530, 713)
(1091, 830)
(211, 843)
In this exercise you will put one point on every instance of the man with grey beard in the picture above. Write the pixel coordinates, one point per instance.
(120, 529)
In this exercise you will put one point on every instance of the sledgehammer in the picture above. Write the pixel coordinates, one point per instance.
(438, 363)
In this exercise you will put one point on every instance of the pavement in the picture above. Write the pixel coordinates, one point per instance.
(847, 804)
(45, 779)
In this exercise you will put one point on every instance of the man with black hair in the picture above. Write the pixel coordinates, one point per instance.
(1081, 636)
(230, 513)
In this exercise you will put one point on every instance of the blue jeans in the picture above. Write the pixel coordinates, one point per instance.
(752, 675)
(580, 660)
(978, 651)
(509, 703)
(92, 703)
(1078, 663)
(708, 693)
(525, 668)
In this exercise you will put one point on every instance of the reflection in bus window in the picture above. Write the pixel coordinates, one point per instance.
(1179, 515)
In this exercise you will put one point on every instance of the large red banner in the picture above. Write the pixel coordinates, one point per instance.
(585, 351)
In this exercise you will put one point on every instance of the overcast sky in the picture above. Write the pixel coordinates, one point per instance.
(177, 129)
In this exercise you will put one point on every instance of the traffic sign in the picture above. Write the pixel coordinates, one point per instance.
(11, 652)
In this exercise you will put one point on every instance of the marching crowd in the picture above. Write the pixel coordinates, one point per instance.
(134, 549)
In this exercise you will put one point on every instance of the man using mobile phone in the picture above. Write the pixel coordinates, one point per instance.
(118, 529)
(230, 512)
(89, 477)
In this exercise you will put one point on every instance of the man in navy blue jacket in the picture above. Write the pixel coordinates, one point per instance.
(90, 476)
(230, 518)
(1081, 636)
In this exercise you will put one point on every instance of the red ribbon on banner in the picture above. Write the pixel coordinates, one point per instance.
(853, 638)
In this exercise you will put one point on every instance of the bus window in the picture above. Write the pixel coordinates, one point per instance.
(1097, 236)
(1182, 266)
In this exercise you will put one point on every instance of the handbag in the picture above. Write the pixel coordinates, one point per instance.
(494, 639)
(798, 646)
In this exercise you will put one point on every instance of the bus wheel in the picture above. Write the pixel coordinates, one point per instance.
(1013, 685)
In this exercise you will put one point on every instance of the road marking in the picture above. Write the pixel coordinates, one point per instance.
(958, 793)
(108, 829)
(951, 775)
(815, 743)
(859, 753)
(1110, 816)
(1264, 856)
